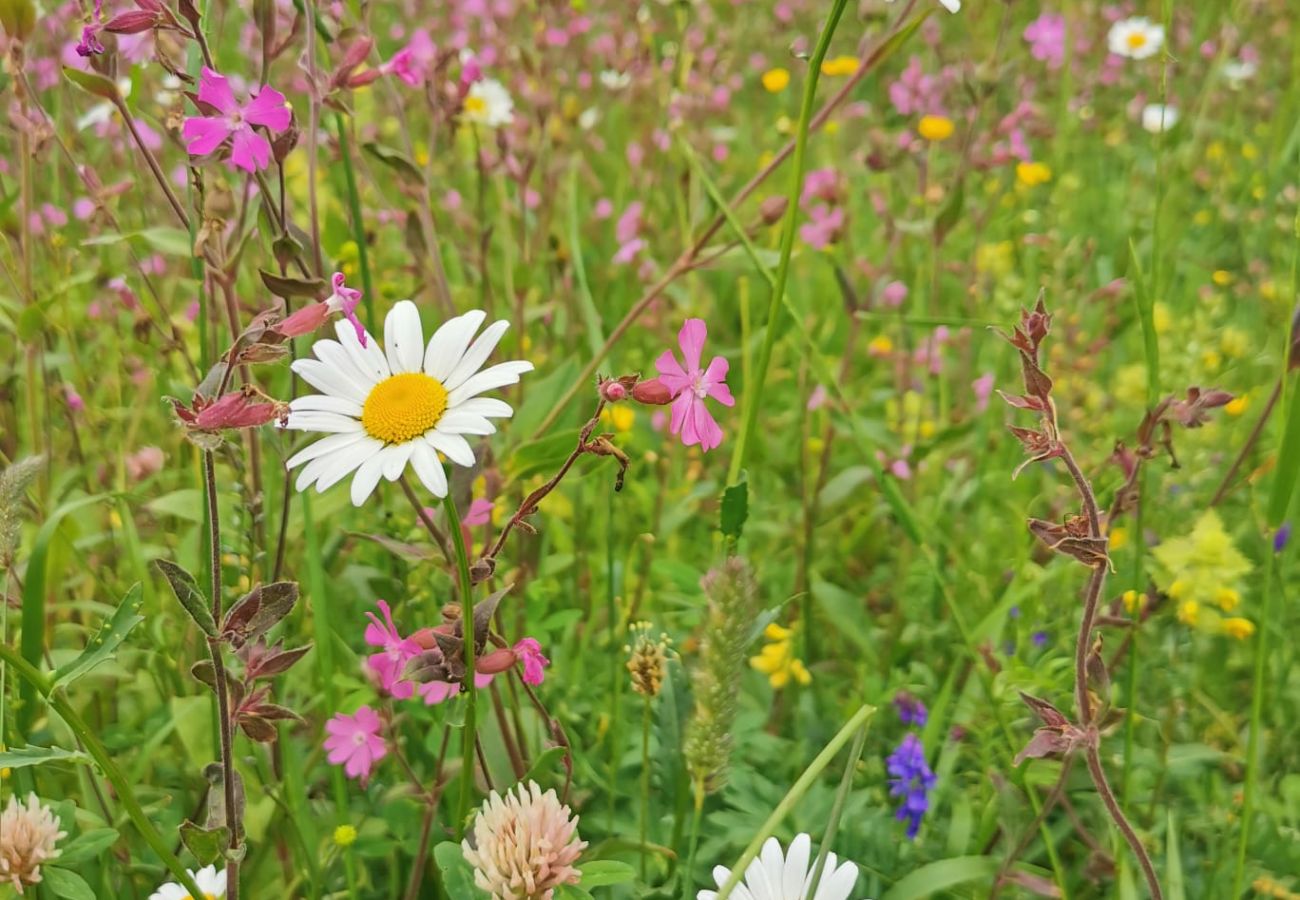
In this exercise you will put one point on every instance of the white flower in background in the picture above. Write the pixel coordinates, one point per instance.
(211, 882)
(102, 113)
(1239, 71)
(1136, 38)
(28, 837)
(953, 6)
(1158, 117)
(524, 846)
(405, 403)
(488, 103)
(614, 80)
(774, 876)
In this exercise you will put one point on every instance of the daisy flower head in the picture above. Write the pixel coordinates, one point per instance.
(775, 875)
(1135, 38)
(249, 150)
(1158, 117)
(488, 103)
(404, 403)
(211, 882)
(690, 385)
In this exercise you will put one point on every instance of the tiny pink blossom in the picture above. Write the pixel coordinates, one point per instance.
(354, 742)
(249, 150)
(389, 665)
(74, 401)
(691, 385)
(480, 512)
(413, 62)
(344, 300)
(1046, 38)
(529, 653)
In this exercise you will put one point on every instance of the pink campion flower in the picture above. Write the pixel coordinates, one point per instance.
(343, 300)
(389, 664)
(691, 385)
(824, 227)
(354, 742)
(1046, 38)
(529, 653)
(249, 150)
(823, 185)
(413, 62)
(983, 388)
(627, 232)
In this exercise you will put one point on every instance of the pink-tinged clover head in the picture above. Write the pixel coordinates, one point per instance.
(690, 385)
(249, 150)
(389, 665)
(354, 742)
(529, 653)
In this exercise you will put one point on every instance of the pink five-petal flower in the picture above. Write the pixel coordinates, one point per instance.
(249, 150)
(690, 386)
(390, 663)
(344, 300)
(529, 653)
(434, 692)
(354, 742)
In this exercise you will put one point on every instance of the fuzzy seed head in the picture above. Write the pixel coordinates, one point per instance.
(648, 660)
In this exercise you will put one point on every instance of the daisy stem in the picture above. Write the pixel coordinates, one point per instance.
(837, 809)
(853, 726)
(467, 627)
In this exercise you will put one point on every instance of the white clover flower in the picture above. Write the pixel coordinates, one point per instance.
(525, 845)
(28, 837)
(403, 404)
(1135, 38)
(488, 103)
(773, 875)
(1158, 117)
(211, 882)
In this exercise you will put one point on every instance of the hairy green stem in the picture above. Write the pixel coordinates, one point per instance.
(467, 626)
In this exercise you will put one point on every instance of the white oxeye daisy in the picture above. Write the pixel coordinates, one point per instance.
(1136, 38)
(211, 882)
(776, 876)
(1157, 117)
(405, 403)
(489, 103)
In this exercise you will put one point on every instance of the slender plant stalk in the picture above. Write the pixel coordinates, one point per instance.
(837, 808)
(471, 692)
(646, 716)
(354, 210)
(1256, 725)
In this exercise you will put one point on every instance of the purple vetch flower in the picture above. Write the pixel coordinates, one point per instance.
(1039, 638)
(911, 779)
(911, 711)
(1281, 537)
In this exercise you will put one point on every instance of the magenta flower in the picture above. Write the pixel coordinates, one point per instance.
(354, 742)
(249, 150)
(344, 300)
(1046, 38)
(529, 653)
(691, 385)
(413, 62)
(389, 664)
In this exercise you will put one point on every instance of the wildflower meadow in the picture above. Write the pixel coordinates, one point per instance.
(667, 449)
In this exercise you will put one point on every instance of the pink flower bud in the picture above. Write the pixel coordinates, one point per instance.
(652, 392)
(305, 320)
(495, 662)
(612, 391)
(133, 21)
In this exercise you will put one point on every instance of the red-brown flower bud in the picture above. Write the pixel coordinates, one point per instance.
(652, 392)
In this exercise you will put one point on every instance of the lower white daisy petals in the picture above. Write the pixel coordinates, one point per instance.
(774, 875)
(385, 409)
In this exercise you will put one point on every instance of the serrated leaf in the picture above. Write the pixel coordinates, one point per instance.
(87, 846)
(735, 508)
(187, 592)
(106, 641)
(457, 877)
(66, 884)
(603, 872)
(205, 843)
(22, 757)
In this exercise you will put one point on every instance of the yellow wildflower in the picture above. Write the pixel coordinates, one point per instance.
(1133, 601)
(1201, 570)
(777, 660)
(840, 65)
(1238, 628)
(1032, 174)
(1221, 277)
(935, 128)
(1234, 342)
(880, 345)
(345, 835)
(1118, 537)
(776, 80)
(1236, 406)
(1227, 598)
(1161, 318)
(621, 416)
(1189, 611)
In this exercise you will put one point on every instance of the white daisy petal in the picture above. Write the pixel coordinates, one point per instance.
(452, 446)
(456, 421)
(339, 465)
(758, 883)
(333, 355)
(499, 375)
(322, 421)
(323, 447)
(367, 477)
(369, 359)
(720, 875)
(837, 885)
(403, 338)
(329, 380)
(476, 355)
(488, 407)
(326, 403)
(428, 469)
(796, 866)
(448, 343)
(395, 457)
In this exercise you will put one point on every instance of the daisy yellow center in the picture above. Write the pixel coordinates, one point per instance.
(1136, 40)
(475, 104)
(403, 407)
(205, 897)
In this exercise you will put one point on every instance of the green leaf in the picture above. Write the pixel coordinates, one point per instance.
(934, 878)
(457, 877)
(66, 884)
(18, 18)
(205, 843)
(395, 161)
(1175, 883)
(166, 240)
(106, 641)
(187, 592)
(92, 83)
(87, 846)
(542, 764)
(571, 892)
(294, 287)
(735, 508)
(22, 757)
(606, 871)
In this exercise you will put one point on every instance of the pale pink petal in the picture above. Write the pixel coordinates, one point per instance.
(214, 90)
(691, 338)
(681, 409)
(671, 373)
(269, 108)
(701, 424)
(715, 381)
(250, 151)
(203, 135)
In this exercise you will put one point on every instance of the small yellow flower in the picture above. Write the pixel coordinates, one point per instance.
(1161, 318)
(777, 660)
(1133, 601)
(1249, 151)
(1189, 611)
(1214, 152)
(935, 128)
(1238, 628)
(840, 65)
(880, 345)
(1118, 538)
(1236, 406)
(776, 80)
(1202, 217)
(1032, 174)
(1227, 598)
(831, 127)
(1178, 589)
(1221, 277)
(1234, 342)
(784, 125)
(345, 835)
(1211, 360)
